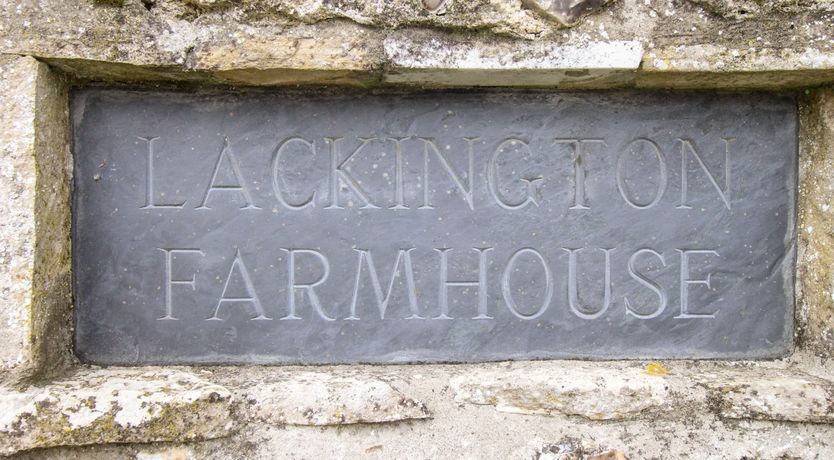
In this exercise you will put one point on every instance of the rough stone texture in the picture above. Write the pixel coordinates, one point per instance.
(770, 395)
(815, 261)
(690, 429)
(440, 61)
(621, 391)
(320, 398)
(102, 406)
(616, 392)
(690, 43)
(17, 217)
(34, 219)
(565, 12)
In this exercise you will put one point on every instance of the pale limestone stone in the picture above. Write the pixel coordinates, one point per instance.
(762, 66)
(614, 392)
(320, 398)
(497, 16)
(34, 220)
(115, 406)
(815, 257)
(18, 81)
(174, 453)
(432, 60)
(770, 395)
(343, 42)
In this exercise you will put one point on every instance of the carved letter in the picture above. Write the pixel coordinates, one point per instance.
(443, 294)
(579, 201)
(252, 298)
(640, 278)
(492, 179)
(226, 152)
(686, 145)
(399, 189)
(661, 186)
(149, 195)
(573, 297)
(685, 282)
(382, 302)
(465, 190)
(508, 295)
(170, 281)
(275, 177)
(339, 175)
(309, 288)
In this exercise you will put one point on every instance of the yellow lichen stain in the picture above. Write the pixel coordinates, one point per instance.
(656, 369)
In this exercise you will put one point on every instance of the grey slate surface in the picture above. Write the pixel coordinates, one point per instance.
(228, 168)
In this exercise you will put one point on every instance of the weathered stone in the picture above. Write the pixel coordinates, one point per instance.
(453, 62)
(610, 455)
(17, 218)
(749, 9)
(568, 448)
(564, 12)
(770, 395)
(320, 398)
(735, 67)
(815, 263)
(332, 54)
(342, 42)
(107, 406)
(497, 16)
(173, 453)
(34, 219)
(566, 388)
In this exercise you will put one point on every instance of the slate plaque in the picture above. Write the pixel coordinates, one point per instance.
(333, 227)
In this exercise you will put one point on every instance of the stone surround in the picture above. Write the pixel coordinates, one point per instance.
(54, 407)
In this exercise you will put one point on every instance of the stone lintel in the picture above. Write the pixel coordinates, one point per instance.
(444, 61)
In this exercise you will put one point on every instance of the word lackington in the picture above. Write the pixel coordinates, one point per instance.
(339, 177)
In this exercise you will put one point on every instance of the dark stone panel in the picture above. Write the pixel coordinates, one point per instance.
(326, 227)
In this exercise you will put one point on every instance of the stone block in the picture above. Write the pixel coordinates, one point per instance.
(34, 219)
(614, 392)
(774, 395)
(429, 60)
(115, 406)
(815, 262)
(322, 398)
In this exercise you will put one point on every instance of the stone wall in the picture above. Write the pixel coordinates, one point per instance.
(53, 407)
